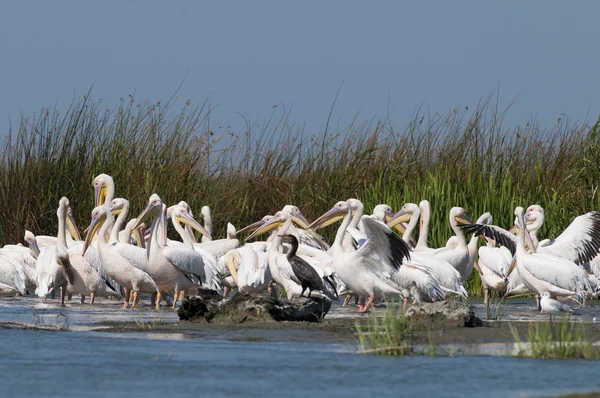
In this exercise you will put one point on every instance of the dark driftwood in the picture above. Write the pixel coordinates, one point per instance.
(253, 308)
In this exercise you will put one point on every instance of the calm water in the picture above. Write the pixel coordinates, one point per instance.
(93, 364)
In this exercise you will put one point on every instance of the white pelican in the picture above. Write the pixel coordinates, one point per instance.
(249, 268)
(24, 258)
(83, 278)
(171, 268)
(211, 272)
(12, 274)
(366, 271)
(354, 237)
(104, 189)
(494, 263)
(448, 277)
(548, 273)
(413, 278)
(579, 243)
(119, 260)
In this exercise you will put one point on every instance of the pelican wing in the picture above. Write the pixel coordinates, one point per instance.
(496, 259)
(312, 239)
(494, 232)
(578, 243)
(383, 251)
(558, 272)
(93, 258)
(419, 275)
(189, 261)
(285, 268)
(12, 274)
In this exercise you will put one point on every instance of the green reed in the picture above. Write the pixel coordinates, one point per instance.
(560, 339)
(462, 158)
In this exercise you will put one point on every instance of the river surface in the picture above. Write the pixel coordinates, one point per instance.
(81, 363)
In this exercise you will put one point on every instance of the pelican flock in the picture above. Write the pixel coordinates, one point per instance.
(127, 257)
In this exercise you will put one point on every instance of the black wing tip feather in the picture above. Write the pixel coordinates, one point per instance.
(490, 233)
(398, 248)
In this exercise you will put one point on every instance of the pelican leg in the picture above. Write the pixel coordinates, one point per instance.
(226, 290)
(175, 298)
(153, 299)
(302, 293)
(135, 299)
(355, 300)
(63, 292)
(181, 296)
(486, 295)
(92, 297)
(81, 299)
(584, 304)
(44, 299)
(126, 297)
(537, 302)
(368, 305)
(70, 296)
(158, 297)
(405, 302)
(361, 305)
(346, 300)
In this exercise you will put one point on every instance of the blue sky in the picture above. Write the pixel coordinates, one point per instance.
(391, 56)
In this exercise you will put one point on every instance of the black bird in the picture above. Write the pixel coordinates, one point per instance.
(306, 275)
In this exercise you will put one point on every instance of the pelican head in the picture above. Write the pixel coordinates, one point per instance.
(180, 214)
(103, 183)
(99, 216)
(117, 205)
(63, 206)
(459, 216)
(72, 225)
(32, 242)
(252, 227)
(534, 220)
(274, 222)
(296, 214)
(537, 208)
(404, 214)
(383, 212)
(153, 209)
(336, 213)
(519, 213)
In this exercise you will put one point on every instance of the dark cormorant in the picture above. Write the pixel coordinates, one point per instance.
(306, 275)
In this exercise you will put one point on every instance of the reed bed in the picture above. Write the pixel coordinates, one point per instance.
(462, 158)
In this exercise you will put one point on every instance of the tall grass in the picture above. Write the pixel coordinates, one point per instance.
(463, 158)
(562, 339)
(386, 335)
